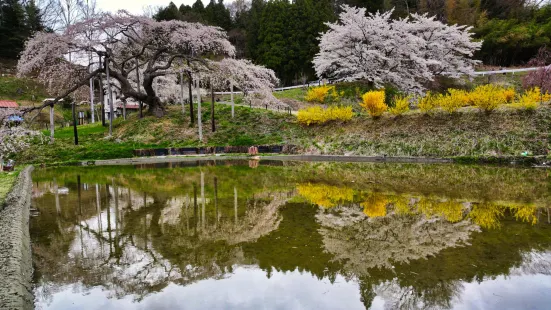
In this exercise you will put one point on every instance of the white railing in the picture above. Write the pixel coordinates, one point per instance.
(275, 89)
(483, 73)
(513, 71)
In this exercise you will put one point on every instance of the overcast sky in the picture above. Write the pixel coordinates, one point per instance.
(136, 6)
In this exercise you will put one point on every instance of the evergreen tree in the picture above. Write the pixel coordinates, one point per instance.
(198, 8)
(170, 12)
(13, 28)
(273, 47)
(210, 12)
(222, 16)
(34, 18)
(184, 9)
(371, 6)
(253, 28)
(189, 15)
(216, 14)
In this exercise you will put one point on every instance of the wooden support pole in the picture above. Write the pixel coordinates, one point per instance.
(75, 123)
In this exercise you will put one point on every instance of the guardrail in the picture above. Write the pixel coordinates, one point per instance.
(483, 73)
(513, 71)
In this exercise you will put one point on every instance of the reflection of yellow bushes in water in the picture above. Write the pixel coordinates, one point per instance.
(484, 214)
(488, 214)
(375, 205)
(326, 196)
(450, 210)
(525, 213)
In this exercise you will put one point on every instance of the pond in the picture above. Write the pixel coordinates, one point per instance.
(290, 235)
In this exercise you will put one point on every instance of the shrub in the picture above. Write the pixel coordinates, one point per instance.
(427, 103)
(342, 114)
(487, 97)
(529, 100)
(509, 94)
(319, 115)
(374, 102)
(450, 103)
(401, 105)
(459, 95)
(322, 94)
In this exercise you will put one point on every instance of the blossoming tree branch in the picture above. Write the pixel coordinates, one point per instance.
(135, 51)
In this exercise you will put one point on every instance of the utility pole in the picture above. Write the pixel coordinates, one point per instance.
(101, 96)
(92, 90)
(191, 99)
(52, 124)
(232, 102)
(111, 112)
(199, 121)
(212, 120)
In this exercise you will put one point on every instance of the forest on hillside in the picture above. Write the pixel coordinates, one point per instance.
(283, 35)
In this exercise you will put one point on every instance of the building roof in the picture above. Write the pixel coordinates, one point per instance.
(132, 106)
(8, 104)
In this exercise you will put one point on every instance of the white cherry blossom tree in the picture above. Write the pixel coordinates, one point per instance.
(406, 53)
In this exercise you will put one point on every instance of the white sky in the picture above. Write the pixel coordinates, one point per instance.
(136, 6)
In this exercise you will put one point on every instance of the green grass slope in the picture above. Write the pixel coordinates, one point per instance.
(505, 132)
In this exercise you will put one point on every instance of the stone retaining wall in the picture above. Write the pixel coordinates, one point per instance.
(15, 246)
(273, 149)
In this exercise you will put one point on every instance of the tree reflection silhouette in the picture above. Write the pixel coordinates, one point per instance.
(412, 242)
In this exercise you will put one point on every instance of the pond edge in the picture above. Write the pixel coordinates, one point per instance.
(15, 246)
(535, 161)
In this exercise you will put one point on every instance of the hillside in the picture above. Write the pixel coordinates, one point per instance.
(23, 91)
(466, 133)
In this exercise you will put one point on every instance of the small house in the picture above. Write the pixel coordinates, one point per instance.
(8, 104)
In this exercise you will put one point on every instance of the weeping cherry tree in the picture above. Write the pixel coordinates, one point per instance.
(129, 46)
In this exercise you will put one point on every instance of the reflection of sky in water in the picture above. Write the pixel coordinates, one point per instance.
(246, 288)
(249, 288)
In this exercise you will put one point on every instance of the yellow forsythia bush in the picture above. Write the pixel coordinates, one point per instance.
(530, 100)
(318, 115)
(401, 105)
(321, 94)
(449, 103)
(374, 102)
(461, 96)
(509, 94)
(487, 97)
(427, 103)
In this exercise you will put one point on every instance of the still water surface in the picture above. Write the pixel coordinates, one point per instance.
(285, 235)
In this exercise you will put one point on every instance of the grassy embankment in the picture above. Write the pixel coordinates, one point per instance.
(23, 91)
(469, 132)
(6, 183)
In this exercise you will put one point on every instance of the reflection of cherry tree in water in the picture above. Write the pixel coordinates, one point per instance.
(378, 242)
(141, 243)
(401, 235)
(93, 249)
(180, 232)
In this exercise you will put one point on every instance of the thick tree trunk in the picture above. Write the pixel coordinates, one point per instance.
(156, 107)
